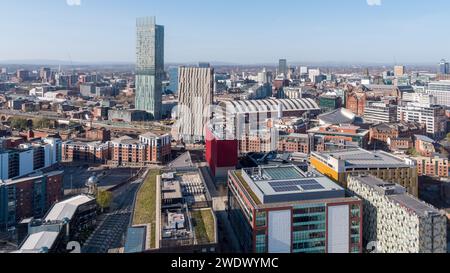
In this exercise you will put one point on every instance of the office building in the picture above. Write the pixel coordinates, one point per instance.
(338, 165)
(329, 102)
(336, 137)
(282, 67)
(265, 77)
(379, 112)
(29, 157)
(397, 221)
(23, 75)
(66, 221)
(45, 74)
(444, 67)
(281, 209)
(433, 116)
(291, 93)
(440, 91)
(149, 66)
(313, 74)
(399, 71)
(30, 196)
(196, 95)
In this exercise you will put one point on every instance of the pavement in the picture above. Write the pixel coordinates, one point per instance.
(75, 177)
(111, 230)
(228, 241)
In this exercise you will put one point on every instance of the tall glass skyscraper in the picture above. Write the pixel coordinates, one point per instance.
(149, 66)
(282, 67)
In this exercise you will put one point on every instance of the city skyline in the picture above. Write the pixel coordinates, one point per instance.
(229, 32)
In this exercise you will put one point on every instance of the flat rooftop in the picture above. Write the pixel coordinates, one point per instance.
(360, 158)
(397, 194)
(287, 183)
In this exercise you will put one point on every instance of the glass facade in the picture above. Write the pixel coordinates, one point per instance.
(240, 222)
(355, 229)
(149, 66)
(173, 78)
(309, 228)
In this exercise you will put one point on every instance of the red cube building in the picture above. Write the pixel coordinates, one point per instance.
(221, 154)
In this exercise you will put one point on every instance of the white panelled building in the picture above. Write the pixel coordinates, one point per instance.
(396, 222)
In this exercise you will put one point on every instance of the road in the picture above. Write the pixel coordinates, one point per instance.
(111, 231)
(113, 126)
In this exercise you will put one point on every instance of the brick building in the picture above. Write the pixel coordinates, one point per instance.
(30, 196)
(356, 102)
(382, 134)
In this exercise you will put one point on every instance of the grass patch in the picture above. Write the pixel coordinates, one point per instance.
(145, 209)
(204, 226)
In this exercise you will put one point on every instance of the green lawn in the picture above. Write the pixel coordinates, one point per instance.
(145, 210)
(247, 187)
(204, 226)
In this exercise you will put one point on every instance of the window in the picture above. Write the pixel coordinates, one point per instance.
(261, 244)
(261, 219)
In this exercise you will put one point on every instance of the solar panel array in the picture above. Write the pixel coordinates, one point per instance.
(289, 186)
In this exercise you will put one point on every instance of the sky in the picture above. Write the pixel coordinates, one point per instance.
(232, 31)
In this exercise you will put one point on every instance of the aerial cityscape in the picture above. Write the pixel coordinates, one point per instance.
(158, 132)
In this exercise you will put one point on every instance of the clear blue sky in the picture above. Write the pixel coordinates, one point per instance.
(244, 31)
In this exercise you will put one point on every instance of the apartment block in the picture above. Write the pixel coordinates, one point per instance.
(433, 166)
(396, 221)
(30, 196)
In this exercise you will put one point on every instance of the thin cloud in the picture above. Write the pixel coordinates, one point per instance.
(73, 2)
(374, 2)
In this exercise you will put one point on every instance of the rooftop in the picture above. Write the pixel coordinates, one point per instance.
(38, 241)
(338, 116)
(126, 140)
(67, 208)
(360, 158)
(397, 194)
(269, 105)
(287, 183)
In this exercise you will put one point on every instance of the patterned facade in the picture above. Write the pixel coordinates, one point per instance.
(396, 221)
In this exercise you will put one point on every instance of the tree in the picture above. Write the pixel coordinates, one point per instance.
(412, 152)
(42, 123)
(19, 123)
(104, 199)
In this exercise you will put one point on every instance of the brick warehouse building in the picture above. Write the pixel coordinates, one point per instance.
(30, 196)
